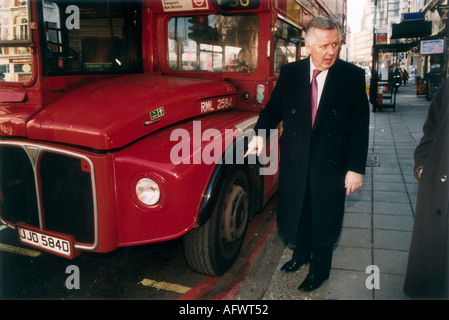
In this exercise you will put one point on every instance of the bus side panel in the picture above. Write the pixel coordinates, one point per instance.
(183, 184)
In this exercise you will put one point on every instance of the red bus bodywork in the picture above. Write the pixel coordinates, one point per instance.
(73, 146)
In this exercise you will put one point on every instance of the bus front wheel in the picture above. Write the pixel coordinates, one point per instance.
(212, 248)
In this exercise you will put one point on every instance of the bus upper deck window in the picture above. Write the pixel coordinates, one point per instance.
(94, 36)
(213, 43)
(287, 41)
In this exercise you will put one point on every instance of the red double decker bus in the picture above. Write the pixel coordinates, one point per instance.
(115, 114)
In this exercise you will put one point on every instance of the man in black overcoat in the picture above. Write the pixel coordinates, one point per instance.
(427, 275)
(322, 163)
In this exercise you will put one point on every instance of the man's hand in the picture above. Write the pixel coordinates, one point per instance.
(255, 146)
(353, 182)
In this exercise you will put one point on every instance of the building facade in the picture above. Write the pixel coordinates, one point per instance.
(379, 19)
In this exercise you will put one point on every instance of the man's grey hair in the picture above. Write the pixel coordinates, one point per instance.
(323, 23)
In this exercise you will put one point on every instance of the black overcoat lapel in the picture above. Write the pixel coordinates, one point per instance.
(333, 87)
(303, 88)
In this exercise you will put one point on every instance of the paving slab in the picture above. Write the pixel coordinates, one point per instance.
(378, 222)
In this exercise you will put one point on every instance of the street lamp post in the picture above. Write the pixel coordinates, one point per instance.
(374, 75)
(375, 54)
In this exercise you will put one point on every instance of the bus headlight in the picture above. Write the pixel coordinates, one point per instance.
(148, 191)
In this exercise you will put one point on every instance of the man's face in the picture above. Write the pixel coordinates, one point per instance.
(324, 50)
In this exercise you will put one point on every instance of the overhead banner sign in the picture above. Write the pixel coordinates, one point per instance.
(411, 29)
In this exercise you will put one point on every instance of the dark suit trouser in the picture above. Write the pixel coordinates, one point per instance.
(320, 259)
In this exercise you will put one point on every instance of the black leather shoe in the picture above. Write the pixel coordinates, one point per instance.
(312, 282)
(293, 265)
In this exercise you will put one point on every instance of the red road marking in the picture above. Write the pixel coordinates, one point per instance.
(234, 285)
(202, 290)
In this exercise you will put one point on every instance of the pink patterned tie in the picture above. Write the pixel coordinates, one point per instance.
(314, 97)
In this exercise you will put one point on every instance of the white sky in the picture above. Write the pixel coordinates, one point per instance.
(355, 11)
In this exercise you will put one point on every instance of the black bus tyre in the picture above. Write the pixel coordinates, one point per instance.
(212, 248)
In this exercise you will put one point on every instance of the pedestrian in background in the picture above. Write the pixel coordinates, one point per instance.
(427, 275)
(397, 79)
(323, 147)
(405, 77)
(373, 90)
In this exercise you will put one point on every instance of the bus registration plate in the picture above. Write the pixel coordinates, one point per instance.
(38, 239)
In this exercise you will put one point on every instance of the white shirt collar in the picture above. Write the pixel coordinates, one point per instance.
(321, 76)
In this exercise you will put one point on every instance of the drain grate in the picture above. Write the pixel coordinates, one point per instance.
(373, 160)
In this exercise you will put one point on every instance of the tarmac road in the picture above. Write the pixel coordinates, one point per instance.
(151, 272)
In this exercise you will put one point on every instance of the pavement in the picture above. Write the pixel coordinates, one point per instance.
(370, 258)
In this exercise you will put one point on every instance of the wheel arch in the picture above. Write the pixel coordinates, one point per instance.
(218, 176)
